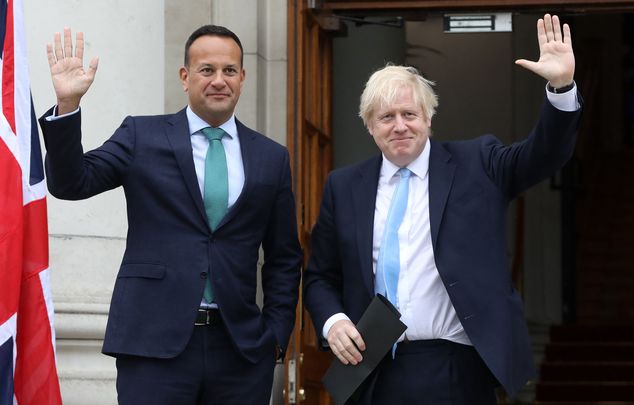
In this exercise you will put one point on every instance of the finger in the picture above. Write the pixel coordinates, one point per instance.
(358, 341)
(94, 64)
(339, 351)
(345, 358)
(92, 68)
(79, 45)
(548, 25)
(344, 348)
(556, 28)
(68, 43)
(50, 55)
(342, 359)
(350, 353)
(541, 33)
(567, 36)
(57, 40)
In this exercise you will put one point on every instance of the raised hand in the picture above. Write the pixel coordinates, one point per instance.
(70, 80)
(556, 59)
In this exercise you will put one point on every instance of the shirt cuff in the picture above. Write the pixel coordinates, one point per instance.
(564, 101)
(331, 321)
(55, 117)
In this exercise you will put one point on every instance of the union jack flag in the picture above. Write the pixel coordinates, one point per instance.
(28, 375)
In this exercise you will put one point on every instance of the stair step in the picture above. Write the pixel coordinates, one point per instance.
(592, 314)
(591, 333)
(589, 351)
(599, 317)
(597, 290)
(584, 391)
(592, 266)
(587, 371)
(584, 403)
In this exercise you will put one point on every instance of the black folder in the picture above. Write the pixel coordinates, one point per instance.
(380, 327)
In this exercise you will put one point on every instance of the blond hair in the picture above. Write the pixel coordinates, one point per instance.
(383, 86)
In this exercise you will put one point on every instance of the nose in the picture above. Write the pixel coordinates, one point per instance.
(218, 80)
(399, 124)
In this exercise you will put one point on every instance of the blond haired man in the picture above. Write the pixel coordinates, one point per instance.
(423, 224)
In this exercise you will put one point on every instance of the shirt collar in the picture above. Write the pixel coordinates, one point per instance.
(419, 166)
(196, 124)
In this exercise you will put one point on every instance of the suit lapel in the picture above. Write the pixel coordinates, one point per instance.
(441, 175)
(178, 136)
(364, 200)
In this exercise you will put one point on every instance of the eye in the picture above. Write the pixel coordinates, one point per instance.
(386, 117)
(231, 71)
(206, 71)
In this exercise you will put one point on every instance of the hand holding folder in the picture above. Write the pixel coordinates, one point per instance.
(380, 327)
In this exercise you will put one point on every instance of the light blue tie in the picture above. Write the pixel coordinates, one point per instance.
(216, 190)
(389, 262)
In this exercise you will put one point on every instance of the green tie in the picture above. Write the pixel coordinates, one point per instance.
(216, 186)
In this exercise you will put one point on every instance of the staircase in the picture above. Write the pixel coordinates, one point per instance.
(605, 260)
(592, 361)
(586, 365)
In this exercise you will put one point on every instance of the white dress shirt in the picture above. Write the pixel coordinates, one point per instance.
(231, 143)
(422, 298)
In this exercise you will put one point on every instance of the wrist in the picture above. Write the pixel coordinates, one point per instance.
(66, 106)
(560, 88)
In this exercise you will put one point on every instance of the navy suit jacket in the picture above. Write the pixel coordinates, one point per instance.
(470, 186)
(170, 248)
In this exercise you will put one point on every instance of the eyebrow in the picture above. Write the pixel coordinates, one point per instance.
(231, 65)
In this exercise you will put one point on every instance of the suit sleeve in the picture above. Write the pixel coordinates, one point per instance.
(549, 146)
(282, 261)
(323, 276)
(75, 175)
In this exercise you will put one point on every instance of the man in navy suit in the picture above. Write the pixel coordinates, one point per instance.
(184, 325)
(466, 332)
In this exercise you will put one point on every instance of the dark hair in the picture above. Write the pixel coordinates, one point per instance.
(213, 31)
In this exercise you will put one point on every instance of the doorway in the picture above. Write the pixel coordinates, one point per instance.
(482, 91)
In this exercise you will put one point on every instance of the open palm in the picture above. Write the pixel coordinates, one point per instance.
(556, 58)
(70, 79)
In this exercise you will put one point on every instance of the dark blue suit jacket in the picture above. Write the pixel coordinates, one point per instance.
(470, 186)
(170, 249)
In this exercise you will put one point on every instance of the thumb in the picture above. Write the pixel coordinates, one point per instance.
(527, 64)
(92, 67)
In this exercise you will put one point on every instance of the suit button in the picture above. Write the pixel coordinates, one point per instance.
(203, 274)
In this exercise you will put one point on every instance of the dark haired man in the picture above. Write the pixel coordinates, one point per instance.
(203, 194)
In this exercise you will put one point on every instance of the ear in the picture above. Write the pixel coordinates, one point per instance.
(243, 75)
(184, 75)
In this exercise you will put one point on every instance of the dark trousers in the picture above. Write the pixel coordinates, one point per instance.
(210, 371)
(430, 372)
